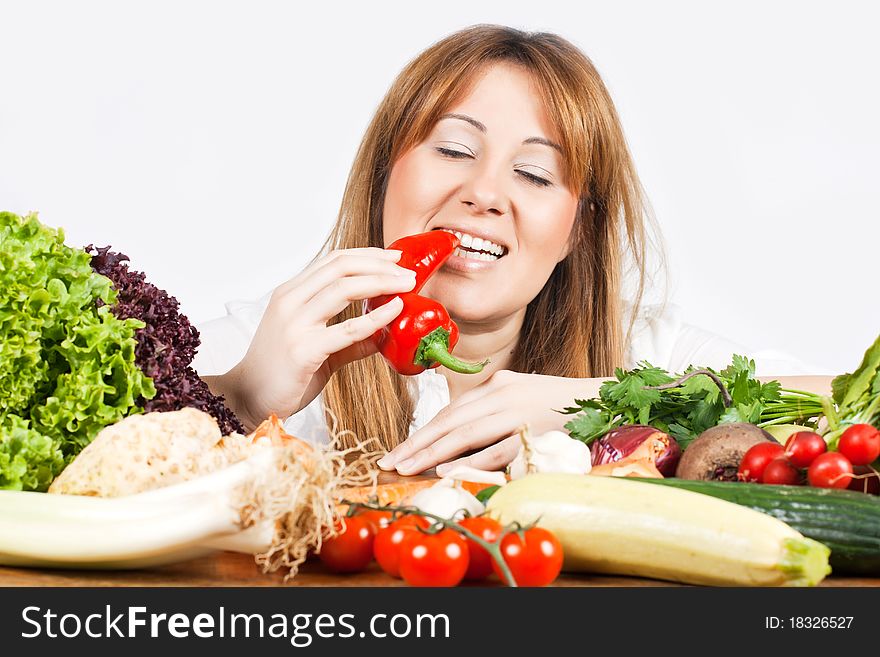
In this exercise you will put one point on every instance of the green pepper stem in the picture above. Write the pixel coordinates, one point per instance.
(434, 348)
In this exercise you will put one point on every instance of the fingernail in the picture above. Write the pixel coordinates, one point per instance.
(405, 273)
(393, 254)
(387, 461)
(406, 464)
(441, 470)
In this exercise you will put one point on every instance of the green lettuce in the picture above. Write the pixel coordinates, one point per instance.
(67, 365)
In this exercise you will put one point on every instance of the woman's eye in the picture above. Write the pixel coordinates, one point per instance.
(451, 152)
(535, 180)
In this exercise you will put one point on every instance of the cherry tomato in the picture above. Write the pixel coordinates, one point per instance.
(534, 561)
(781, 472)
(860, 443)
(480, 565)
(830, 470)
(439, 559)
(351, 550)
(386, 548)
(380, 519)
(751, 468)
(804, 446)
(865, 480)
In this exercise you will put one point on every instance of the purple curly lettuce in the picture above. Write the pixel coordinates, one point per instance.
(167, 344)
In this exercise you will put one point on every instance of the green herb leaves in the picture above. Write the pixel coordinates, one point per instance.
(686, 409)
(857, 395)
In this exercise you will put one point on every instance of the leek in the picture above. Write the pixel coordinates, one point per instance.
(146, 529)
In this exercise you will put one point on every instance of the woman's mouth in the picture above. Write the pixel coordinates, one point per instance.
(476, 248)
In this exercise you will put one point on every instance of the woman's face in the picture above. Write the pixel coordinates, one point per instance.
(490, 171)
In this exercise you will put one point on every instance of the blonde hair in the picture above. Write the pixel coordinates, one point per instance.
(575, 327)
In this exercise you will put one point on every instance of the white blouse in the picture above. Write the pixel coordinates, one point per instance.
(659, 336)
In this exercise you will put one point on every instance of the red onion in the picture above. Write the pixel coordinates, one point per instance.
(622, 442)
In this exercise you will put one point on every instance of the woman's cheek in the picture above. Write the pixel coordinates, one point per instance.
(417, 189)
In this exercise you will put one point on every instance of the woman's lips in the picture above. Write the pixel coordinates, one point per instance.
(460, 263)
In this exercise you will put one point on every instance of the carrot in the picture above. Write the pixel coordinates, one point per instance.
(394, 493)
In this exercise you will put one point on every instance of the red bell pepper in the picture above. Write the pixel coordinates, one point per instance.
(425, 253)
(423, 334)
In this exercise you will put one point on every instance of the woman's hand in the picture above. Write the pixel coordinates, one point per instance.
(486, 417)
(294, 351)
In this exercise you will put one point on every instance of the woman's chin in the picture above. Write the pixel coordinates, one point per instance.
(470, 311)
(466, 300)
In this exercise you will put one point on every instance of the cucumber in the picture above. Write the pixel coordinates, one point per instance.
(848, 522)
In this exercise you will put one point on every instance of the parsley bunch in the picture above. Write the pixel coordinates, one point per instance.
(684, 406)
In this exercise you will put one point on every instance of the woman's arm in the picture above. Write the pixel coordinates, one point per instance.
(225, 385)
(484, 419)
(820, 384)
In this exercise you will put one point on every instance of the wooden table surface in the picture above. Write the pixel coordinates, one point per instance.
(233, 569)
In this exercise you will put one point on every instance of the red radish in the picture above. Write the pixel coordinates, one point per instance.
(803, 447)
(751, 468)
(830, 470)
(860, 443)
(781, 472)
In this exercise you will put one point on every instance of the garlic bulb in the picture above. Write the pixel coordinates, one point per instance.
(553, 451)
(446, 500)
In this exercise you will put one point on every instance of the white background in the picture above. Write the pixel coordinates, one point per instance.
(210, 141)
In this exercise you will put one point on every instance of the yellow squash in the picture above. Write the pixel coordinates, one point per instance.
(612, 525)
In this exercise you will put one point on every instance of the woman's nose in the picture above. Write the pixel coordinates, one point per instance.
(483, 192)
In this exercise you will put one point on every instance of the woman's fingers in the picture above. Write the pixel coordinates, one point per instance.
(494, 457)
(344, 335)
(468, 436)
(447, 420)
(336, 296)
(336, 265)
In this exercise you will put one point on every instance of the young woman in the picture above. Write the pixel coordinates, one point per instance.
(511, 140)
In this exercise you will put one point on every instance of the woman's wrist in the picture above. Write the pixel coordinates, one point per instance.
(229, 387)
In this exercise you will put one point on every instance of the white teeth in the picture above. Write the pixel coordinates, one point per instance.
(486, 247)
(475, 255)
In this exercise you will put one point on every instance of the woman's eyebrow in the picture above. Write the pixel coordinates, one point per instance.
(482, 128)
(544, 142)
(464, 117)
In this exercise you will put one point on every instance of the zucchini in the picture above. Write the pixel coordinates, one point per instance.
(846, 521)
(609, 525)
